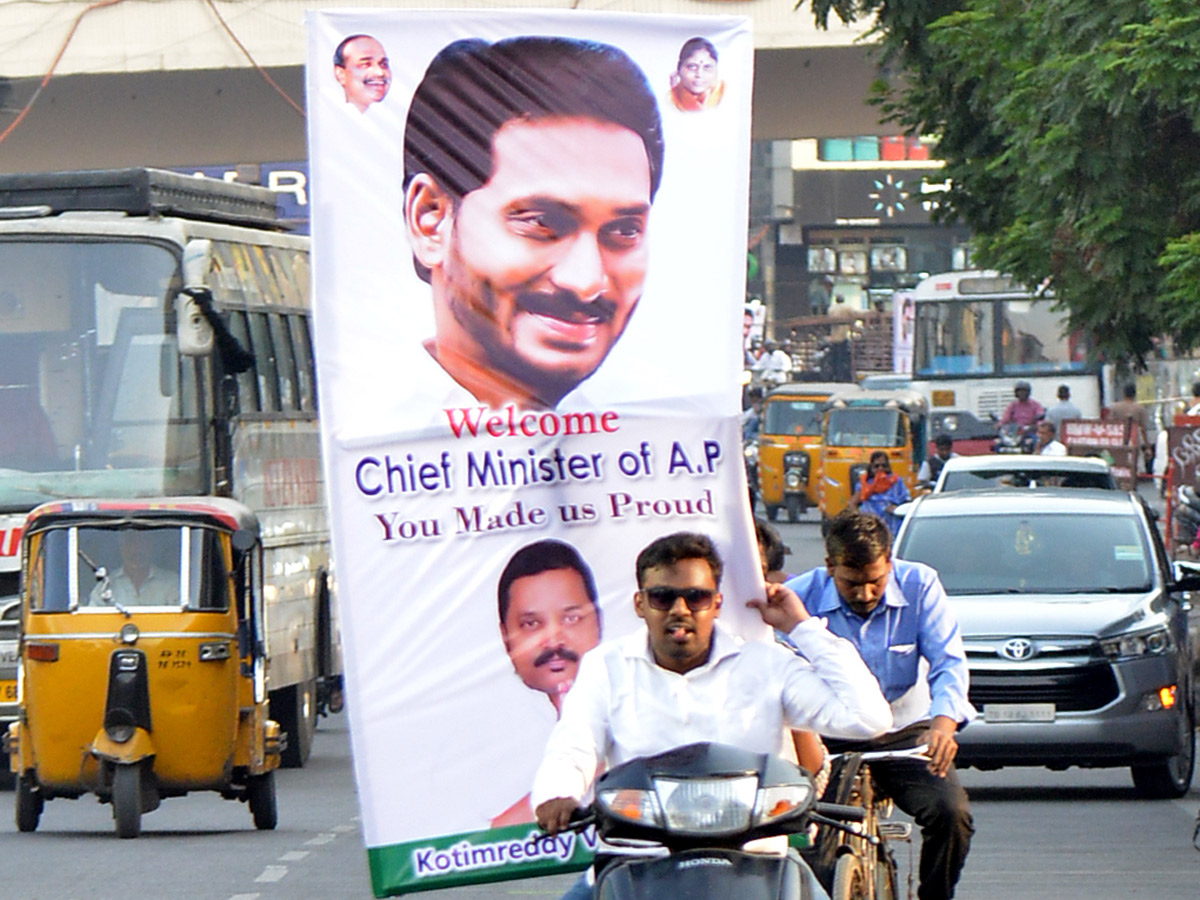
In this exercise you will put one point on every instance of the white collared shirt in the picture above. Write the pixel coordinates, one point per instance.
(624, 705)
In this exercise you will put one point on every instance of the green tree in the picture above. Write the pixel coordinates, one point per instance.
(1069, 131)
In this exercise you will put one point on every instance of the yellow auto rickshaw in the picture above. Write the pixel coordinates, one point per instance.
(142, 668)
(789, 439)
(856, 424)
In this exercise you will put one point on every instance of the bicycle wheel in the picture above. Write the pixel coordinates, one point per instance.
(849, 879)
(886, 874)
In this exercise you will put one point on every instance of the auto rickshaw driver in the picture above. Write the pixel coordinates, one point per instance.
(139, 581)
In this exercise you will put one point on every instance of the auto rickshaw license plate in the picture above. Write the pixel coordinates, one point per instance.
(8, 692)
(1018, 712)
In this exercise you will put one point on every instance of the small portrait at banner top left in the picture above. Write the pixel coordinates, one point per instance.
(361, 67)
(530, 167)
(549, 617)
(696, 84)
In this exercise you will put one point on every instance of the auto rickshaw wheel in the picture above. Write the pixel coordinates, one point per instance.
(127, 800)
(260, 794)
(29, 804)
(772, 512)
(795, 507)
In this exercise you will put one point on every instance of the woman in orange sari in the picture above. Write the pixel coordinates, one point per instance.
(695, 84)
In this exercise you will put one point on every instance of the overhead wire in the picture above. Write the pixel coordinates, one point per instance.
(101, 4)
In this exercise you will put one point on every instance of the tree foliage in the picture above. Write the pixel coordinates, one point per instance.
(1069, 131)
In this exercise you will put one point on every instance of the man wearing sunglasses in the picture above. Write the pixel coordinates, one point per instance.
(684, 679)
(898, 615)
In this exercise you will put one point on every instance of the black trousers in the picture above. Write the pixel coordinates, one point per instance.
(938, 805)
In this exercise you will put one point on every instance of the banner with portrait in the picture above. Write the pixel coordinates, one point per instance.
(529, 247)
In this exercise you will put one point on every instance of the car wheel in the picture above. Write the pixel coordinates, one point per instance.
(1171, 778)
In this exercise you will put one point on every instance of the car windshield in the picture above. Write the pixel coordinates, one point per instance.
(1055, 553)
(792, 417)
(1023, 477)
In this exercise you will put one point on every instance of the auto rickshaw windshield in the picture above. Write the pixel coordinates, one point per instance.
(792, 417)
(93, 568)
(865, 427)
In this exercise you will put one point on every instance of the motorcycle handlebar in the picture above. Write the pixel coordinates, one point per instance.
(841, 812)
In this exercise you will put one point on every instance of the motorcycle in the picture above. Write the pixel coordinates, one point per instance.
(702, 803)
(1013, 439)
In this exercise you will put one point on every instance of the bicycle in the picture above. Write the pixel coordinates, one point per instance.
(856, 862)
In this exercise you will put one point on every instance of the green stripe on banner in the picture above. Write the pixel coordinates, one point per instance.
(477, 857)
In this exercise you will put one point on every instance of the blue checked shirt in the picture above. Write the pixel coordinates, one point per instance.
(911, 641)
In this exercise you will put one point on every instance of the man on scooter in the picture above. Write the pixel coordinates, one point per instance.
(683, 678)
(897, 614)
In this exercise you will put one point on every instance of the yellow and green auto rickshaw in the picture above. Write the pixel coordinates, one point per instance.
(856, 424)
(789, 439)
(142, 666)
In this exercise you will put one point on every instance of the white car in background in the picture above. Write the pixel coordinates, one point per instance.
(1023, 470)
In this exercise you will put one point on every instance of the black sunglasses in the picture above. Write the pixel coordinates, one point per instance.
(663, 598)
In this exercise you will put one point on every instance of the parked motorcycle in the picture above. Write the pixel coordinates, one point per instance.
(702, 803)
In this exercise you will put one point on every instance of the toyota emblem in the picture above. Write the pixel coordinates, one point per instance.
(1017, 649)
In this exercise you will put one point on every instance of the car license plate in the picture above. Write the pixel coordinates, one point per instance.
(8, 692)
(1018, 712)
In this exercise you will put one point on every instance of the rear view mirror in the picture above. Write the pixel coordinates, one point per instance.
(193, 332)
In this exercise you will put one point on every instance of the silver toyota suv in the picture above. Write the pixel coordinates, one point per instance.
(1075, 626)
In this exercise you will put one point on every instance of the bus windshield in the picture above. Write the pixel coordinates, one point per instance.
(93, 396)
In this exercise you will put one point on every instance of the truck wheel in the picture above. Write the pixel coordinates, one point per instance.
(1171, 778)
(260, 794)
(295, 709)
(849, 881)
(29, 803)
(127, 800)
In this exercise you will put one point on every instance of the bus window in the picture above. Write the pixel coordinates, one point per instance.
(285, 364)
(302, 349)
(264, 362)
(1032, 338)
(247, 383)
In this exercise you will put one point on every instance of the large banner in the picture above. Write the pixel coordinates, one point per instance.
(529, 260)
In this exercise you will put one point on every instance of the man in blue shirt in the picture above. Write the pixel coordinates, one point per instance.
(897, 614)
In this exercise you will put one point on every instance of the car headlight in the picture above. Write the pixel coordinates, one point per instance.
(1146, 643)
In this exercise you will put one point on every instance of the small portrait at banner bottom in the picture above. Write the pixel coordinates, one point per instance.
(549, 617)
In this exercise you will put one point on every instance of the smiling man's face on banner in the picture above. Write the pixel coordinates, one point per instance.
(529, 219)
(546, 262)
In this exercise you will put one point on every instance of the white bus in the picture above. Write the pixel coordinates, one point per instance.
(977, 333)
(115, 382)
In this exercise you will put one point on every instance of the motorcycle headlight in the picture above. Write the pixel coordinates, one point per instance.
(782, 800)
(1146, 643)
(709, 806)
(632, 805)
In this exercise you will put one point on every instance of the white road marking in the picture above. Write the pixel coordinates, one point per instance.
(272, 873)
(244, 897)
(323, 838)
(293, 856)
